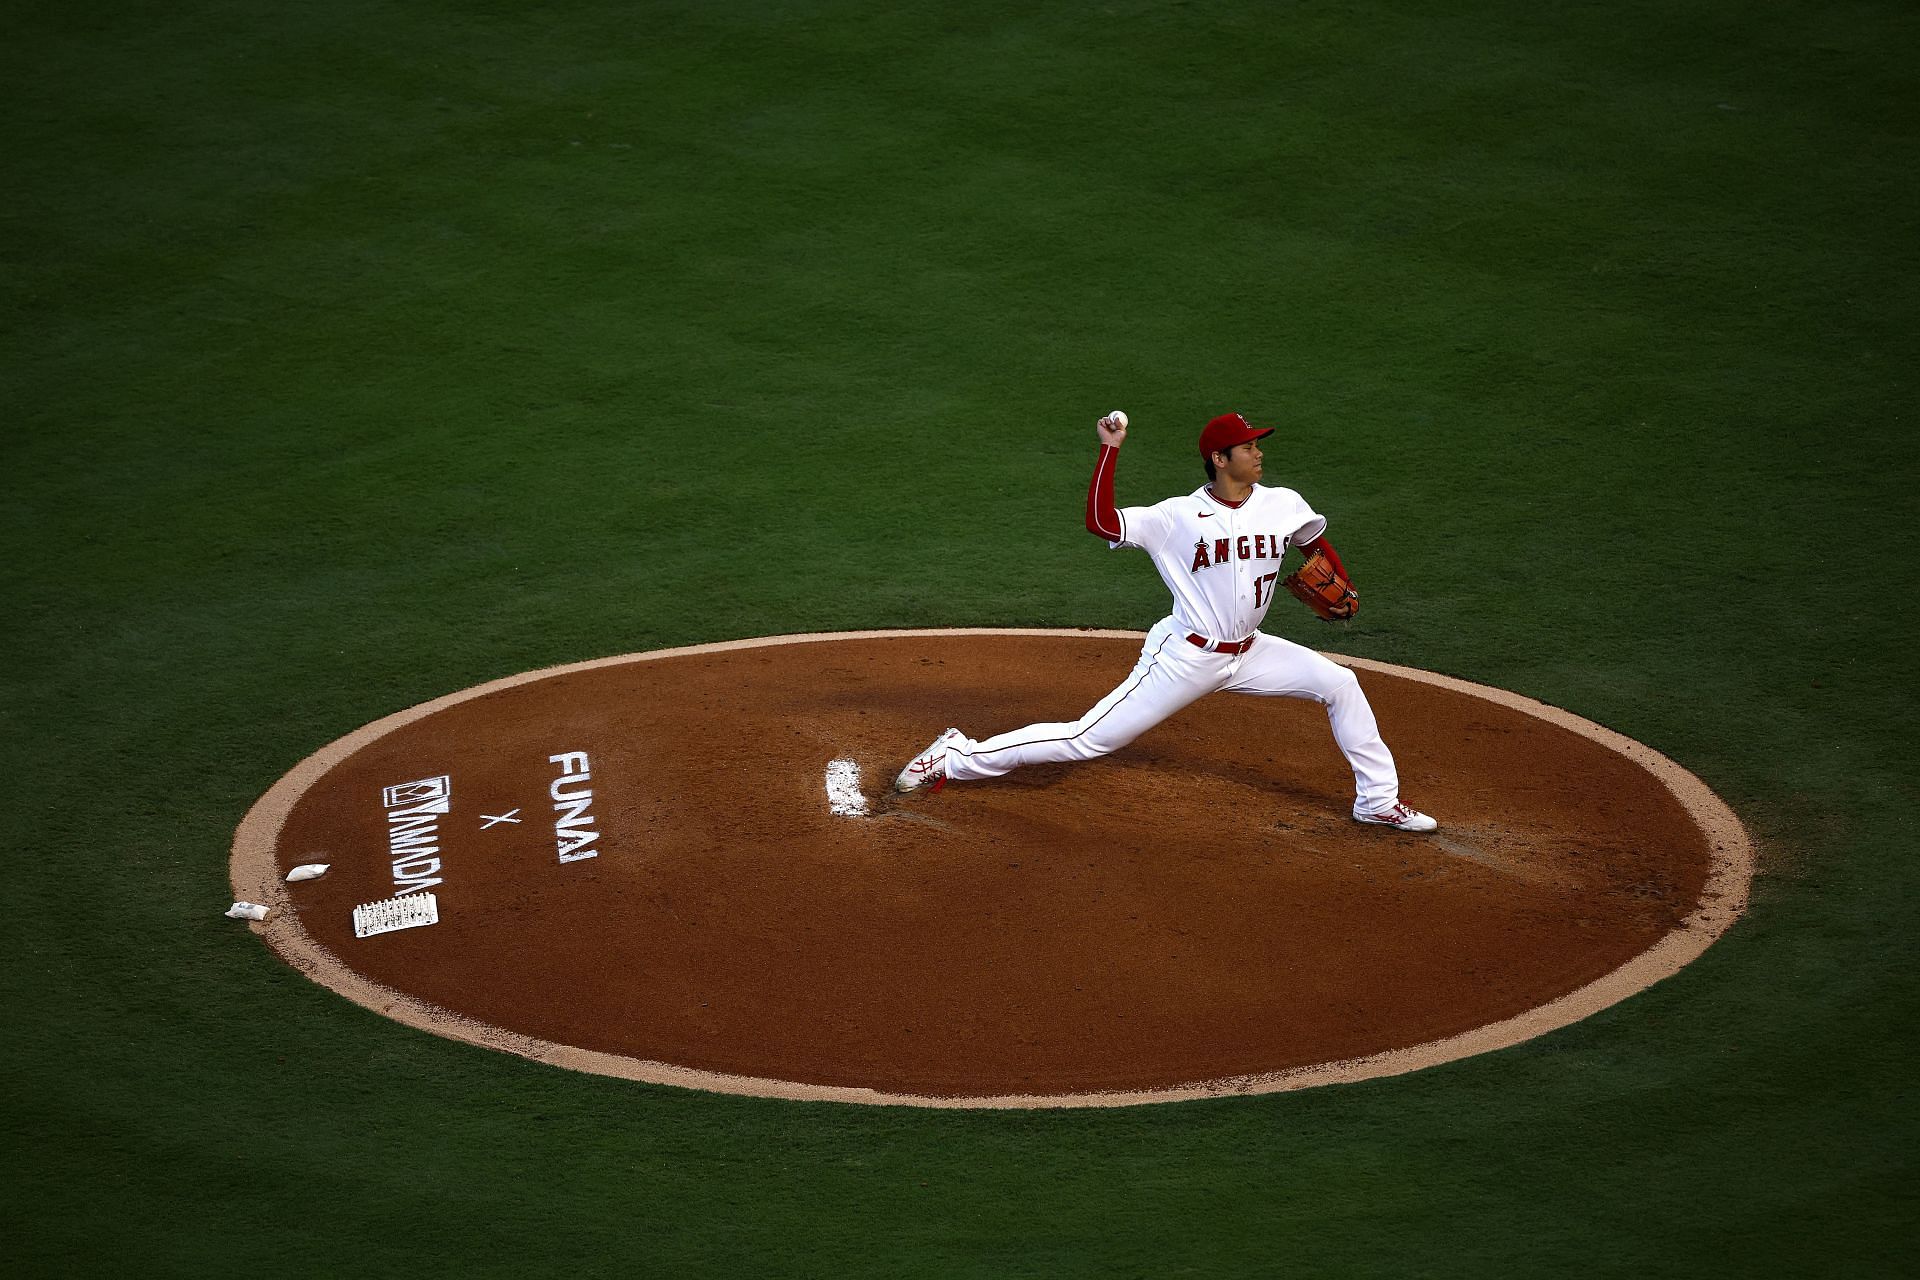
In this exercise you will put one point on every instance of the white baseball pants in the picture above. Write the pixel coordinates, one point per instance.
(1173, 672)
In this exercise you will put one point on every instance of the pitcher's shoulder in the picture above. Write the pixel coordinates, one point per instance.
(1186, 503)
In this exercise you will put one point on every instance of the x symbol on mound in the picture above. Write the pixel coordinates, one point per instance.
(494, 820)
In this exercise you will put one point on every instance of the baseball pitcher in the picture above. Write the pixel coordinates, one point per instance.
(1218, 549)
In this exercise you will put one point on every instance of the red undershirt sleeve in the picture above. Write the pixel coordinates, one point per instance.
(1321, 544)
(1103, 520)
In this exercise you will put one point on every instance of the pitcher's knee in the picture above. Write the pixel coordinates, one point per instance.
(1341, 685)
(1091, 746)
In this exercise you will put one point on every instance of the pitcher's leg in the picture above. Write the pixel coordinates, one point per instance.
(1280, 668)
(1161, 682)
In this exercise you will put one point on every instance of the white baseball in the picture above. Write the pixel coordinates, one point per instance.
(1118, 417)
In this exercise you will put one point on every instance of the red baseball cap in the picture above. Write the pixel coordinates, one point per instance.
(1226, 431)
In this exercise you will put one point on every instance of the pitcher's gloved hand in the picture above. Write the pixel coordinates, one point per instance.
(1323, 589)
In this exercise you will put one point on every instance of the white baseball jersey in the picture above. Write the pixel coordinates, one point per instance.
(1221, 562)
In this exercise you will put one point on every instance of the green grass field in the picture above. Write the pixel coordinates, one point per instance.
(360, 352)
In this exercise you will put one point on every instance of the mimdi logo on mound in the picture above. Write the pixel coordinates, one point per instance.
(414, 810)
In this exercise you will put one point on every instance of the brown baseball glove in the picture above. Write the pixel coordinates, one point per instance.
(1322, 589)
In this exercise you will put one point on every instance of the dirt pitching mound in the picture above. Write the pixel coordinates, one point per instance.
(638, 869)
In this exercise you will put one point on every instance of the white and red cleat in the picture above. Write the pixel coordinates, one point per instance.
(929, 768)
(1397, 815)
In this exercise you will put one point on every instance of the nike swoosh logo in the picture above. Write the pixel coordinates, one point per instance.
(1205, 514)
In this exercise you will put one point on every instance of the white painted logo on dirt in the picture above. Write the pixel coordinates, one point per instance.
(573, 828)
(844, 797)
(414, 810)
(426, 791)
(391, 914)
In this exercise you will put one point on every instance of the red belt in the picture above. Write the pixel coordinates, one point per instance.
(1221, 646)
